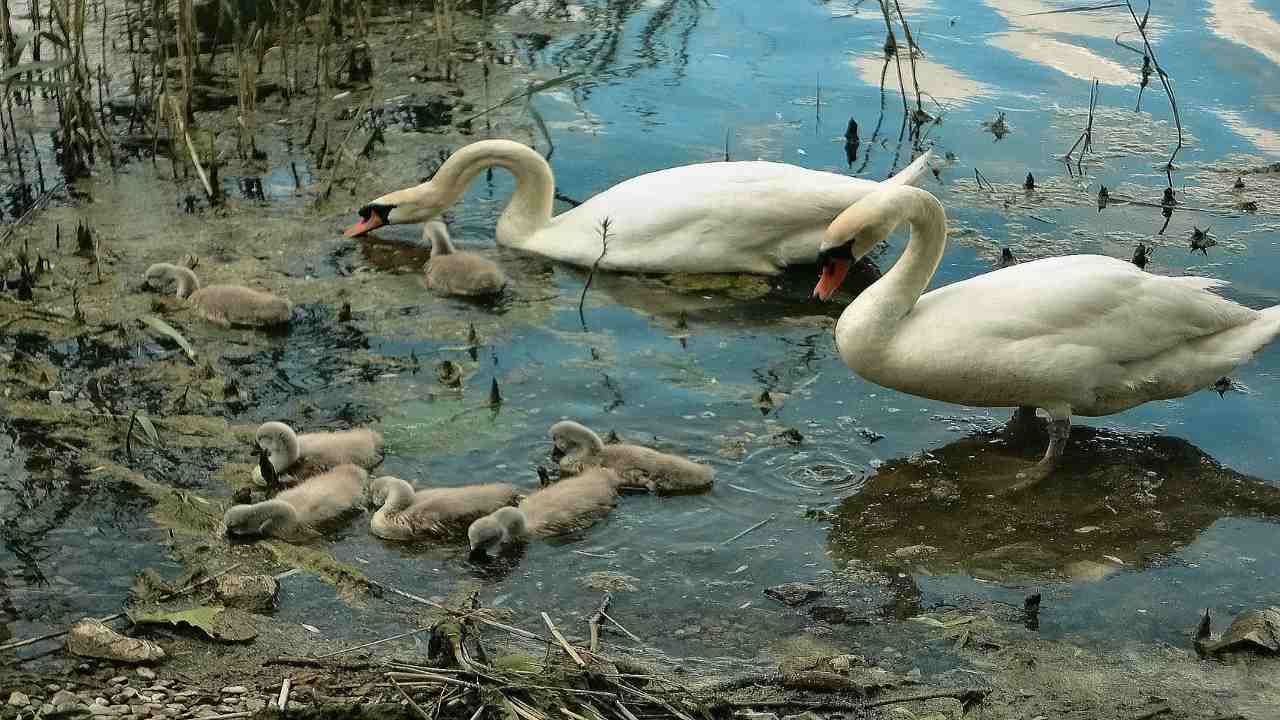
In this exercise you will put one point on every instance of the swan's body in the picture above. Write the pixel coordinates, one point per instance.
(751, 216)
(1082, 334)
(453, 272)
(569, 506)
(224, 305)
(302, 456)
(638, 467)
(437, 513)
(294, 513)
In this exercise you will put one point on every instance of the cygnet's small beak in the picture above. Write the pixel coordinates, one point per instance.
(477, 555)
(557, 453)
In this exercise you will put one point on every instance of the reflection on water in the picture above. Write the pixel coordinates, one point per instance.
(936, 79)
(1242, 22)
(1265, 139)
(1118, 501)
(1070, 59)
(1102, 24)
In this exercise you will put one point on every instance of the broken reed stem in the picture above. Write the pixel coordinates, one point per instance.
(117, 616)
(337, 162)
(412, 703)
(753, 528)
(560, 639)
(371, 644)
(604, 247)
(892, 42)
(912, 48)
(177, 117)
(1164, 81)
(596, 619)
(468, 616)
(618, 625)
(1086, 136)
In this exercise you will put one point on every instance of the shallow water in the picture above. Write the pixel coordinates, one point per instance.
(664, 83)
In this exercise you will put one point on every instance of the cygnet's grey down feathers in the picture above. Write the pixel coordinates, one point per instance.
(309, 453)
(453, 272)
(295, 513)
(225, 305)
(639, 467)
(571, 505)
(436, 513)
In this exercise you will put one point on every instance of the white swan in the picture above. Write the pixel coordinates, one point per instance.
(576, 447)
(1082, 334)
(754, 217)
(436, 513)
(453, 272)
(568, 506)
(224, 305)
(310, 453)
(294, 513)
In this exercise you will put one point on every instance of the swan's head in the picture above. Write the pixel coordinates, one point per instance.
(403, 207)
(497, 529)
(854, 233)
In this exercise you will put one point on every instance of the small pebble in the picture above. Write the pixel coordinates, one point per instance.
(17, 699)
(119, 680)
(234, 690)
(146, 673)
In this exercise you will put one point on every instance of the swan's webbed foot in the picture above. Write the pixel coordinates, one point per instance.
(1059, 431)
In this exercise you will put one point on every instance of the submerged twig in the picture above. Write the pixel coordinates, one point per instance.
(753, 528)
(604, 247)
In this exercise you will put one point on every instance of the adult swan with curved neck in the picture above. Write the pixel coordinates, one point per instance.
(753, 217)
(1081, 334)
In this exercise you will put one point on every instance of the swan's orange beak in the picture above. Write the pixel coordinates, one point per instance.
(370, 223)
(833, 272)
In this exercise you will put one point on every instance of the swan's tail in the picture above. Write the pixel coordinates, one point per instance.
(913, 173)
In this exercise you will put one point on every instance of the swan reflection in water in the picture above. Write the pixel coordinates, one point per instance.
(1133, 498)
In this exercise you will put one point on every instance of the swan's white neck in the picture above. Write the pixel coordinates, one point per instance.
(529, 209)
(866, 328)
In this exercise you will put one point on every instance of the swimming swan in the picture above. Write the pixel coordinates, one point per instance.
(1083, 334)
(568, 506)
(716, 217)
(576, 447)
(454, 272)
(305, 455)
(294, 513)
(437, 513)
(224, 305)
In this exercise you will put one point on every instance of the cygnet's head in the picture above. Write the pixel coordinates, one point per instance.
(279, 440)
(498, 529)
(264, 518)
(571, 438)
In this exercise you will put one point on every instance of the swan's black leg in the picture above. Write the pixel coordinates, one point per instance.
(1059, 432)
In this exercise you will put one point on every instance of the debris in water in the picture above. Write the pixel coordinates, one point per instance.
(1030, 183)
(495, 397)
(1141, 256)
(1248, 206)
(344, 314)
(1239, 184)
(790, 436)
(1103, 196)
(1006, 258)
(1223, 384)
(90, 638)
(1252, 631)
(794, 594)
(1201, 241)
(997, 127)
(449, 373)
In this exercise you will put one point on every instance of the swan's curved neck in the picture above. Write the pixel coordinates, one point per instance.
(529, 209)
(869, 323)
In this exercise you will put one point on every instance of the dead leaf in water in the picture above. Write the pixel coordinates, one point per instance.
(221, 624)
(167, 330)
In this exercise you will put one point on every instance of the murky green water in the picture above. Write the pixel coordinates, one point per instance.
(664, 83)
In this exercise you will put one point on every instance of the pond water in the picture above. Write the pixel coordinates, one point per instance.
(668, 83)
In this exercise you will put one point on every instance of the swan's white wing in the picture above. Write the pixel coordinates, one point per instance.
(710, 217)
(1088, 301)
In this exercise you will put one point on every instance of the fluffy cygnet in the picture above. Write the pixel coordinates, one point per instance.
(568, 506)
(437, 513)
(305, 455)
(295, 513)
(577, 447)
(454, 272)
(225, 305)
